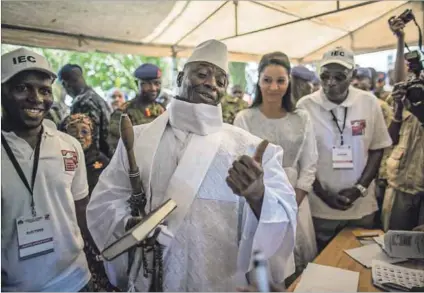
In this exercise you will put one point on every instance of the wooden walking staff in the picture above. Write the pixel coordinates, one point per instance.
(137, 203)
(138, 197)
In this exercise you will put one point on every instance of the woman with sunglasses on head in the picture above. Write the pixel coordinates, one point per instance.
(273, 116)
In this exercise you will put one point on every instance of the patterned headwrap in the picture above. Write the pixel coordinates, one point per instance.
(76, 118)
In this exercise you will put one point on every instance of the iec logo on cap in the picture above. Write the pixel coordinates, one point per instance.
(23, 59)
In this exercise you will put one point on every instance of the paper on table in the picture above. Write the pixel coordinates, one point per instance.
(319, 278)
(380, 240)
(366, 254)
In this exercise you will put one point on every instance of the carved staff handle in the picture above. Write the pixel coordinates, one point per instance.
(138, 195)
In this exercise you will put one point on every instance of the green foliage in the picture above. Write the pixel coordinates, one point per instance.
(238, 74)
(101, 70)
(106, 70)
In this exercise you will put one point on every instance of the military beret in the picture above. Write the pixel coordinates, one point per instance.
(363, 72)
(303, 73)
(148, 71)
(381, 75)
(316, 79)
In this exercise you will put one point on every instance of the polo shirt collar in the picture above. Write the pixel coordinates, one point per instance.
(322, 100)
(49, 127)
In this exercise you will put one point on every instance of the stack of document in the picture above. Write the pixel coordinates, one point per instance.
(319, 278)
(395, 278)
(366, 254)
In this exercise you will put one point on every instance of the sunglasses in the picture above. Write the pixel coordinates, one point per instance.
(338, 77)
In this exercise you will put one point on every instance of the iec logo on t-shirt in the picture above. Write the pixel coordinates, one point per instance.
(358, 127)
(70, 159)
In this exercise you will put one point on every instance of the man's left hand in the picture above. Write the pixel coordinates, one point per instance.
(245, 177)
(350, 195)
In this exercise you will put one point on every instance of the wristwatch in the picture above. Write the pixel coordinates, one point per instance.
(362, 189)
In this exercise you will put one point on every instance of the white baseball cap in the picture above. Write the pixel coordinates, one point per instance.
(211, 51)
(340, 56)
(23, 59)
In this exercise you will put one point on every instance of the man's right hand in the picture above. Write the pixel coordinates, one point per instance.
(336, 201)
(398, 96)
(333, 200)
(397, 26)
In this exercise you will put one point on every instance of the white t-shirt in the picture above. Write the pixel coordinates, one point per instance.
(55, 191)
(363, 110)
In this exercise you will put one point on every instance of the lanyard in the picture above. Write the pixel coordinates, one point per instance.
(337, 124)
(19, 169)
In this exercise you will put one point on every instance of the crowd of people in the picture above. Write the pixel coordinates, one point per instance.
(312, 154)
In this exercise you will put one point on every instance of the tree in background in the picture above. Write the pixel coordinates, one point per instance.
(238, 74)
(101, 70)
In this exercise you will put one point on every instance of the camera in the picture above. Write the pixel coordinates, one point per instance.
(415, 61)
(406, 17)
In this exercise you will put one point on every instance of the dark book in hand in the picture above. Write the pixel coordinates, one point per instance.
(139, 232)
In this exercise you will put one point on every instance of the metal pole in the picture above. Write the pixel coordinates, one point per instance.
(236, 16)
(174, 65)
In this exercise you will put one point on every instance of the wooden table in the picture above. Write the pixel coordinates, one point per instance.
(334, 255)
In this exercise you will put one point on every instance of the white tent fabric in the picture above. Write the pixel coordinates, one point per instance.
(304, 30)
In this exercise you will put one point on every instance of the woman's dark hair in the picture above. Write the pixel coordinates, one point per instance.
(275, 58)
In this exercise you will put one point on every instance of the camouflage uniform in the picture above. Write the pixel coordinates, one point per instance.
(230, 107)
(388, 116)
(403, 207)
(138, 115)
(382, 94)
(91, 104)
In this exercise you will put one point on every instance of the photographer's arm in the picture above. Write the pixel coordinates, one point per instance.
(397, 27)
(394, 129)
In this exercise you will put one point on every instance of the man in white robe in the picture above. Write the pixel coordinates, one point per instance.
(189, 155)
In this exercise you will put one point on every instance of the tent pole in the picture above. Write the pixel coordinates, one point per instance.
(174, 65)
(236, 16)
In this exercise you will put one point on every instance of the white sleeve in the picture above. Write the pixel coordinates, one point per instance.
(380, 136)
(276, 229)
(308, 158)
(79, 188)
(108, 211)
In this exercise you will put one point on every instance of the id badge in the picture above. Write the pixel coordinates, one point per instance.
(342, 157)
(35, 236)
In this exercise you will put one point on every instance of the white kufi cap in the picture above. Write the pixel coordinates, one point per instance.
(213, 52)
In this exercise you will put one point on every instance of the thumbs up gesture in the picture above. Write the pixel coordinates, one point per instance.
(245, 177)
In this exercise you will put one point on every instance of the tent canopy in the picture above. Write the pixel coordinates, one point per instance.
(304, 30)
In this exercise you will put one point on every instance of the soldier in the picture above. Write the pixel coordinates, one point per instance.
(87, 101)
(143, 108)
(233, 104)
(379, 90)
